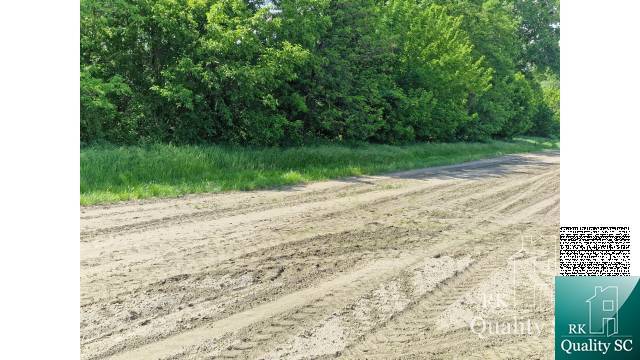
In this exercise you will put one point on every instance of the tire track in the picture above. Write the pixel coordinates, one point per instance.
(241, 275)
(410, 327)
(443, 193)
(244, 203)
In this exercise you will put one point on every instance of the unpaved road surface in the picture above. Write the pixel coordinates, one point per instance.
(439, 263)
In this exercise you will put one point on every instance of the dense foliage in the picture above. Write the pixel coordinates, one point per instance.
(299, 71)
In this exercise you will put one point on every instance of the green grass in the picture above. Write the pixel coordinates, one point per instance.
(110, 174)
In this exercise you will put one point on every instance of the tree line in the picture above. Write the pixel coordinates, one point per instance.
(288, 72)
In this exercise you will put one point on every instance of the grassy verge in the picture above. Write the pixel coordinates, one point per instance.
(110, 174)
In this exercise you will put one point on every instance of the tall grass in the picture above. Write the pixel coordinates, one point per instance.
(110, 174)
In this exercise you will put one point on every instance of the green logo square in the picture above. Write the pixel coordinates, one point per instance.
(597, 317)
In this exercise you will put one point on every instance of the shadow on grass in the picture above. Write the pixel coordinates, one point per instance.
(111, 174)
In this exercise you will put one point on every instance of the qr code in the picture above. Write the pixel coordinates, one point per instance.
(595, 251)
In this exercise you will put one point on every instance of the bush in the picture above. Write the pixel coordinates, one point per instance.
(300, 71)
(103, 106)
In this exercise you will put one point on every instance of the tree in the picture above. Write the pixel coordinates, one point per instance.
(540, 32)
(294, 71)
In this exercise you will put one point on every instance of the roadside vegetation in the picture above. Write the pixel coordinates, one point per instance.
(110, 174)
(292, 72)
(188, 96)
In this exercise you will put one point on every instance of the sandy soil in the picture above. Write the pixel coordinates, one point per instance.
(439, 263)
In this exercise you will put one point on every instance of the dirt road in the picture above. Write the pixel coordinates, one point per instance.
(440, 263)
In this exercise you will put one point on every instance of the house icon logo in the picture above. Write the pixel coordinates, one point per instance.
(603, 311)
